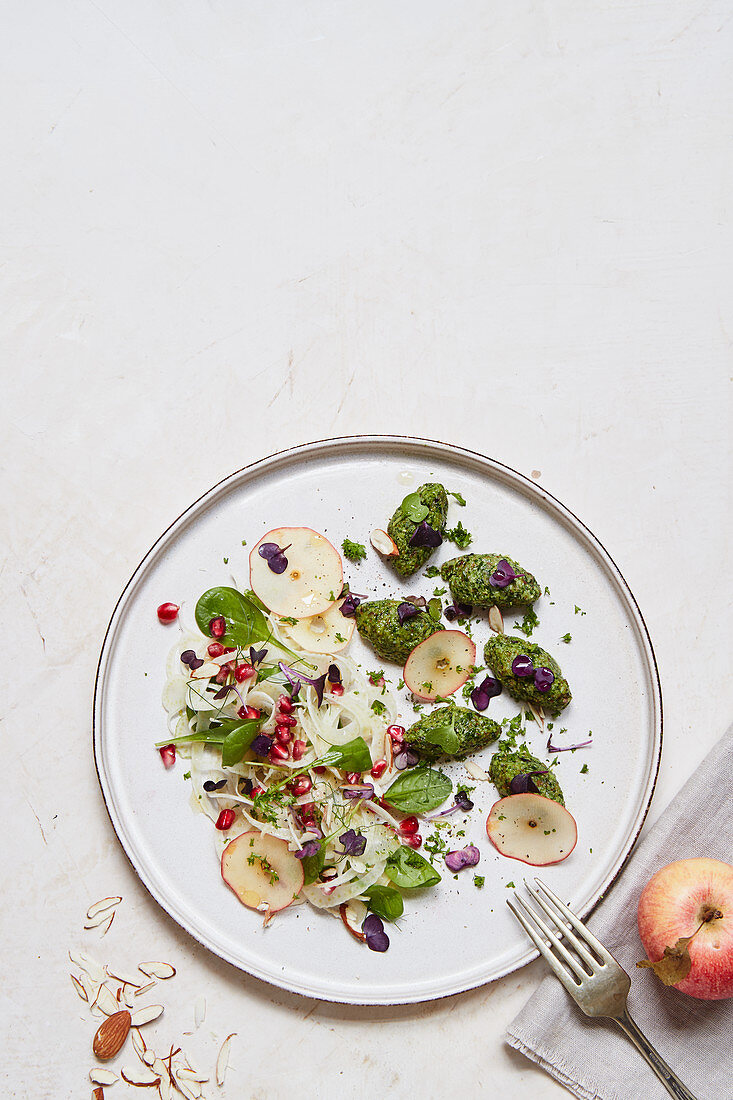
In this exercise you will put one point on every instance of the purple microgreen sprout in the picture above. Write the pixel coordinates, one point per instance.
(425, 535)
(256, 656)
(294, 679)
(457, 610)
(544, 678)
(503, 575)
(462, 803)
(334, 674)
(309, 849)
(353, 843)
(407, 611)
(487, 690)
(261, 744)
(364, 790)
(350, 604)
(567, 748)
(522, 666)
(522, 783)
(274, 556)
(189, 658)
(464, 857)
(418, 601)
(210, 785)
(374, 934)
(405, 759)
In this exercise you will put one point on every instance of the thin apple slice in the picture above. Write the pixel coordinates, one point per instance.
(439, 665)
(312, 579)
(329, 632)
(532, 829)
(261, 871)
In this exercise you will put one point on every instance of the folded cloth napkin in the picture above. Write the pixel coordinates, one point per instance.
(593, 1058)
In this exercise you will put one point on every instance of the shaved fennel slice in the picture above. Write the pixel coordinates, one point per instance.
(316, 896)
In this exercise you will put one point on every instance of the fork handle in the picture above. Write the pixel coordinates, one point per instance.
(669, 1079)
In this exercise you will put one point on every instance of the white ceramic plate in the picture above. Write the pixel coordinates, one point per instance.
(455, 936)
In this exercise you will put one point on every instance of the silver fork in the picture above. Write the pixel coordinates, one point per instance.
(601, 986)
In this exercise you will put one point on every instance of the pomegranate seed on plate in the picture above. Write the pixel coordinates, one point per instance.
(168, 755)
(301, 785)
(298, 750)
(248, 712)
(379, 768)
(243, 672)
(217, 627)
(414, 840)
(397, 733)
(225, 820)
(283, 735)
(285, 704)
(279, 752)
(320, 769)
(337, 689)
(168, 612)
(215, 649)
(257, 791)
(409, 825)
(286, 720)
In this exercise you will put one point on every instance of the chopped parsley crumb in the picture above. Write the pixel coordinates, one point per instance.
(510, 885)
(376, 675)
(458, 497)
(432, 571)
(340, 637)
(435, 846)
(439, 591)
(529, 622)
(378, 707)
(478, 881)
(186, 775)
(400, 685)
(244, 542)
(289, 620)
(578, 610)
(584, 769)
(459, 535)
(226, 561)
(547, 591)
(567, 638)
(354, 551)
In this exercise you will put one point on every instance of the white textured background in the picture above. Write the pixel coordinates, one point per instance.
(229, 227)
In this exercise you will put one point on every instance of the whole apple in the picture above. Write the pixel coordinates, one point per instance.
(692, 898)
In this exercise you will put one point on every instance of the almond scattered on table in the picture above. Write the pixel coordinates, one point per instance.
(111, 1034)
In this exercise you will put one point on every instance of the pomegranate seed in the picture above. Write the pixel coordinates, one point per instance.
(414, 840)
(337, 689)
(307, 810)
(378, 681)
(397, 733)
(301, 785)
(320, 769)
(353, 777)
(225, 820)
(286, 720)
(299, 748)
(380, 767)
(256, 791)
(243, 672)
(285, 704)
(218, 627)
(279, 752)
(248, 712)
(221, 675)
(409, 825)
(168, 612)
(230, 649)
(168, 755)
(283, 735)
(215, 649)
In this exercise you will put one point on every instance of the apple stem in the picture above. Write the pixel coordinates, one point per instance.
(709, 913)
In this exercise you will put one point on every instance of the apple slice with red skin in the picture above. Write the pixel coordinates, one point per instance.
(310, 583)
(532, 829)
(321, 633)
(683, 900)
(261, 869)
(439, 665)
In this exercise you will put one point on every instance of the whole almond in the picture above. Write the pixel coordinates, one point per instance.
(111, 1035)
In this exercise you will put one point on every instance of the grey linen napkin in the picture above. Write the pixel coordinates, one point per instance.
(593, 1058)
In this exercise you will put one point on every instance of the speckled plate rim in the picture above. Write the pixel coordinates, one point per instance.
(354, 444)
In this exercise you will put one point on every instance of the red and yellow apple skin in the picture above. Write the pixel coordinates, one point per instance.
(674, 903)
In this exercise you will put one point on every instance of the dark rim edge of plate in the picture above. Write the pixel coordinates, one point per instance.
(366, 439)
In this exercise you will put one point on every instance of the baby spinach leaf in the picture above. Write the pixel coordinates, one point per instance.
(385, 901)
(210, 736)
(408, 869)
(354, 756)
(419, 790)
(265, 672)
(245, 623)
(413, 508)
(313, 865)
(239, 737)
(444, 735)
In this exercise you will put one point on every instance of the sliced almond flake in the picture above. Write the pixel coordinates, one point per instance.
(186, 1074)
(102, 906)
(89, 965)
(146, 1015)
(222, 1060)
(165, 1089)
(538, 715)
(138, 1043)
(160, 970)
(475, 771)
(106, 927)
(496, 619)
(186, 1090)
(122, 976)
(150, 1058)
(144, 988)
(199, 1011)
(94, 922)
(106, 1001)
(80, 988)
(140, 1076)
(100, 1076)
(128, 995)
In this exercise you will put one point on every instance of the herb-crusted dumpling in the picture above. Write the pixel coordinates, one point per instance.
(430, 504)
(505, 766)
(482, 580)
(541, 681)
(379, 624)
(451, 731)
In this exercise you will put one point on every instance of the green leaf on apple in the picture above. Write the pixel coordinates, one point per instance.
(674, 965)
